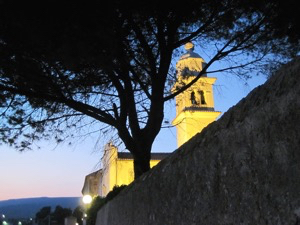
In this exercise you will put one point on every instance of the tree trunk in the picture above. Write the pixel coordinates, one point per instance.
(141, 162)
(140, 167)
(145, 140)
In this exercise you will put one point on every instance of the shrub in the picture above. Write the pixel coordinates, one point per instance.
(98, 202)
(114, 192)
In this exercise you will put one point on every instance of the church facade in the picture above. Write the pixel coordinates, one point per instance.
(194, 111)
(117, 170)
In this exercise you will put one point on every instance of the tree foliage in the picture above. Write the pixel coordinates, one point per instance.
(65, 67)
(78, 213)
(45, 217)
(98, 202)
(42, 216)
(60, 214)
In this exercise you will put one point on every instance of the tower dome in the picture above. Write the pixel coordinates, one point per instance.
(190, 63)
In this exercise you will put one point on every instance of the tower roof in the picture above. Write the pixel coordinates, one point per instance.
(189, 47)
(154, 155)
(190, 63)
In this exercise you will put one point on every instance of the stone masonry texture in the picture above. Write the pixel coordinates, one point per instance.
(242, 169)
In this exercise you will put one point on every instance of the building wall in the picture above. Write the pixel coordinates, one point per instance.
(192, 122)
(108, 169)
(91, 183)
(116, 171)
(242, 169)
(125, 172)
(70, 220)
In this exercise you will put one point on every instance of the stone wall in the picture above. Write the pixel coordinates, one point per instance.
(242, 169)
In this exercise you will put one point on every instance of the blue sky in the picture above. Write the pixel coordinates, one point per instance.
(59, 171)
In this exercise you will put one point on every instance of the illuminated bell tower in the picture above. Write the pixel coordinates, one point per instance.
(195, 106)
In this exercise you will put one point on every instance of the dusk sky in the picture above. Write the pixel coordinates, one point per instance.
(59, 171)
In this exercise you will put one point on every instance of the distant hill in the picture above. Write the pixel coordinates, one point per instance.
(28, 207)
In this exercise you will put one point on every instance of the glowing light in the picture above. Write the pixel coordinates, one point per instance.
(87, 199)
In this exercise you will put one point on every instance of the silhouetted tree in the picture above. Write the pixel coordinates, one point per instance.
(64, 67)
(78, 213)
(60, 214)
(42, 217)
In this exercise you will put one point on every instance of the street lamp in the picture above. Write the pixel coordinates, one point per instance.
(87, 199)
(2, 221)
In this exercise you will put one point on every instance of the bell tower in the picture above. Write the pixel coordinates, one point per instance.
(195, 106)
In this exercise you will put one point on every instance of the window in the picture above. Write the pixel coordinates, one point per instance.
(193, 98)
(202, 98)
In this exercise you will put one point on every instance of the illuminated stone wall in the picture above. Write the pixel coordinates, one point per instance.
(242, 169)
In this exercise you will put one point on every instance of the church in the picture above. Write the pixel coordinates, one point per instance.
(194, 111)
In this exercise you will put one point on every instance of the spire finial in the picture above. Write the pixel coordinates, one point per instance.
(189, 46)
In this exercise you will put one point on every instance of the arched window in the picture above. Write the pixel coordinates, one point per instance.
(202, 98)
(193, 98)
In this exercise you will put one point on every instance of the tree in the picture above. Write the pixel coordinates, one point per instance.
(65, 67)
(78, 213)
(60, 214)
(45, 217)
(99, 202)
(92, 212)
(42, 217)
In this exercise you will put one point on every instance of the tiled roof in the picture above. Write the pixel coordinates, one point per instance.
(94, 173)
(155, 155)
(197, 108)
